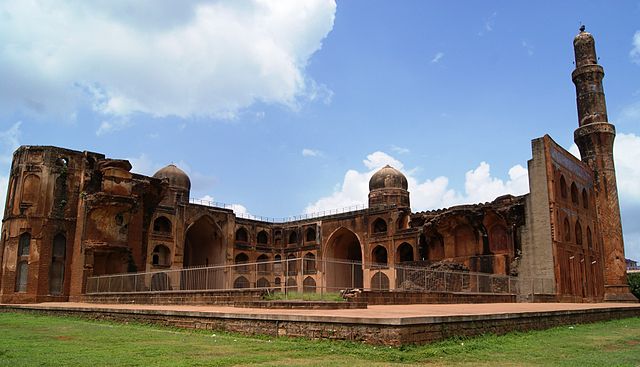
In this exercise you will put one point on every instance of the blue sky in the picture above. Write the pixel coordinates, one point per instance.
(288, 107)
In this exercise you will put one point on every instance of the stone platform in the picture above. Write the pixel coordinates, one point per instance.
(387, 325)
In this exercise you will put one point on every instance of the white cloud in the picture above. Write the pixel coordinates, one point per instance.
(307, 152)
(437, 57)
(144, 165)
(399, 150)
(162, 58)
(434, 193)
(107, 127)
(635, 51)
(626, 153)
(237, 208)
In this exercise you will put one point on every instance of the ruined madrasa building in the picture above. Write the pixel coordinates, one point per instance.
(72, 215)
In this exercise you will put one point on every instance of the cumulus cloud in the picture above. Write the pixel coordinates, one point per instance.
(433, 193)
(162, 58)
(626, 153)
(238, 209)
(307, 152)
(635, 51)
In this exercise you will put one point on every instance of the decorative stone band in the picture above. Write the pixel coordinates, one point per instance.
(592, 68)
(595, 127)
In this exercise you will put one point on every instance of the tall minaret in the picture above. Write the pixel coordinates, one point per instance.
(594, 137)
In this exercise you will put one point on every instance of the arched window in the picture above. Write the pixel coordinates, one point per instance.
(22, 276)
(242, 235)
(161, 256)
(263, 283)
(498, 238)
(22, 269)
(465, 240)
(379, 255)
(162, 225)
(589, 238)
(241, 282)
(277, 282)
(578, 231)
(380, 282)
(263, 237)
(291, 284)
(24, 244)
(379, 226)
(293, 237)
(277, 265)
(263, 266)
(574, 193)
(56, 272)
(309, 263)
(310, 234)
(585, 199)
(309, 285)
(31, 189)
(563, 187)
(405, 253)
(240, 259)
(292, 265)
(567, 230)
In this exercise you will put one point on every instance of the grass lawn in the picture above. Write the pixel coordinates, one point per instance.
(311, 296)
(32, 340)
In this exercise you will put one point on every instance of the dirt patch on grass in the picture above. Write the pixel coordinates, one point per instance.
(64, 337)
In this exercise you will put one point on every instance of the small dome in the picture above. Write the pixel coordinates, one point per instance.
(176, 176)
(388, 178)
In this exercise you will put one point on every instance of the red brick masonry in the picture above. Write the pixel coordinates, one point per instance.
(388, 325)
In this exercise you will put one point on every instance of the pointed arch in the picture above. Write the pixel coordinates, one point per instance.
(574, 194)
(242, 235)
(309, 285)
(56, 272)
(204, 243)
(404, 253)
(162, 225)
(578, 232)
(310, 234)
(344, 268)
(567, 230)
(380, 282)
(263, 237)
(563, 187)
(379, 255)
(241, 282)
(379, 226)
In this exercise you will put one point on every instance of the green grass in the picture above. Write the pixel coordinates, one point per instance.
(33, 340)
(277, 296)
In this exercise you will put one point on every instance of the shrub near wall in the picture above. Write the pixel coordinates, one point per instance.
(634, 284)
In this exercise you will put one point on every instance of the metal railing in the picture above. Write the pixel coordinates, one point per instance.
(293, 218)
(306, 275)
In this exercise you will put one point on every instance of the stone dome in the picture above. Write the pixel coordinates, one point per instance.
(177, 178)
(388, 178)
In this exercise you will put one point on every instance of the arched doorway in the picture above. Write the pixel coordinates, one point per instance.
(203, 246)
(344, 266)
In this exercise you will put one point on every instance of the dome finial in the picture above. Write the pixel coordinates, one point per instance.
(582, 28)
